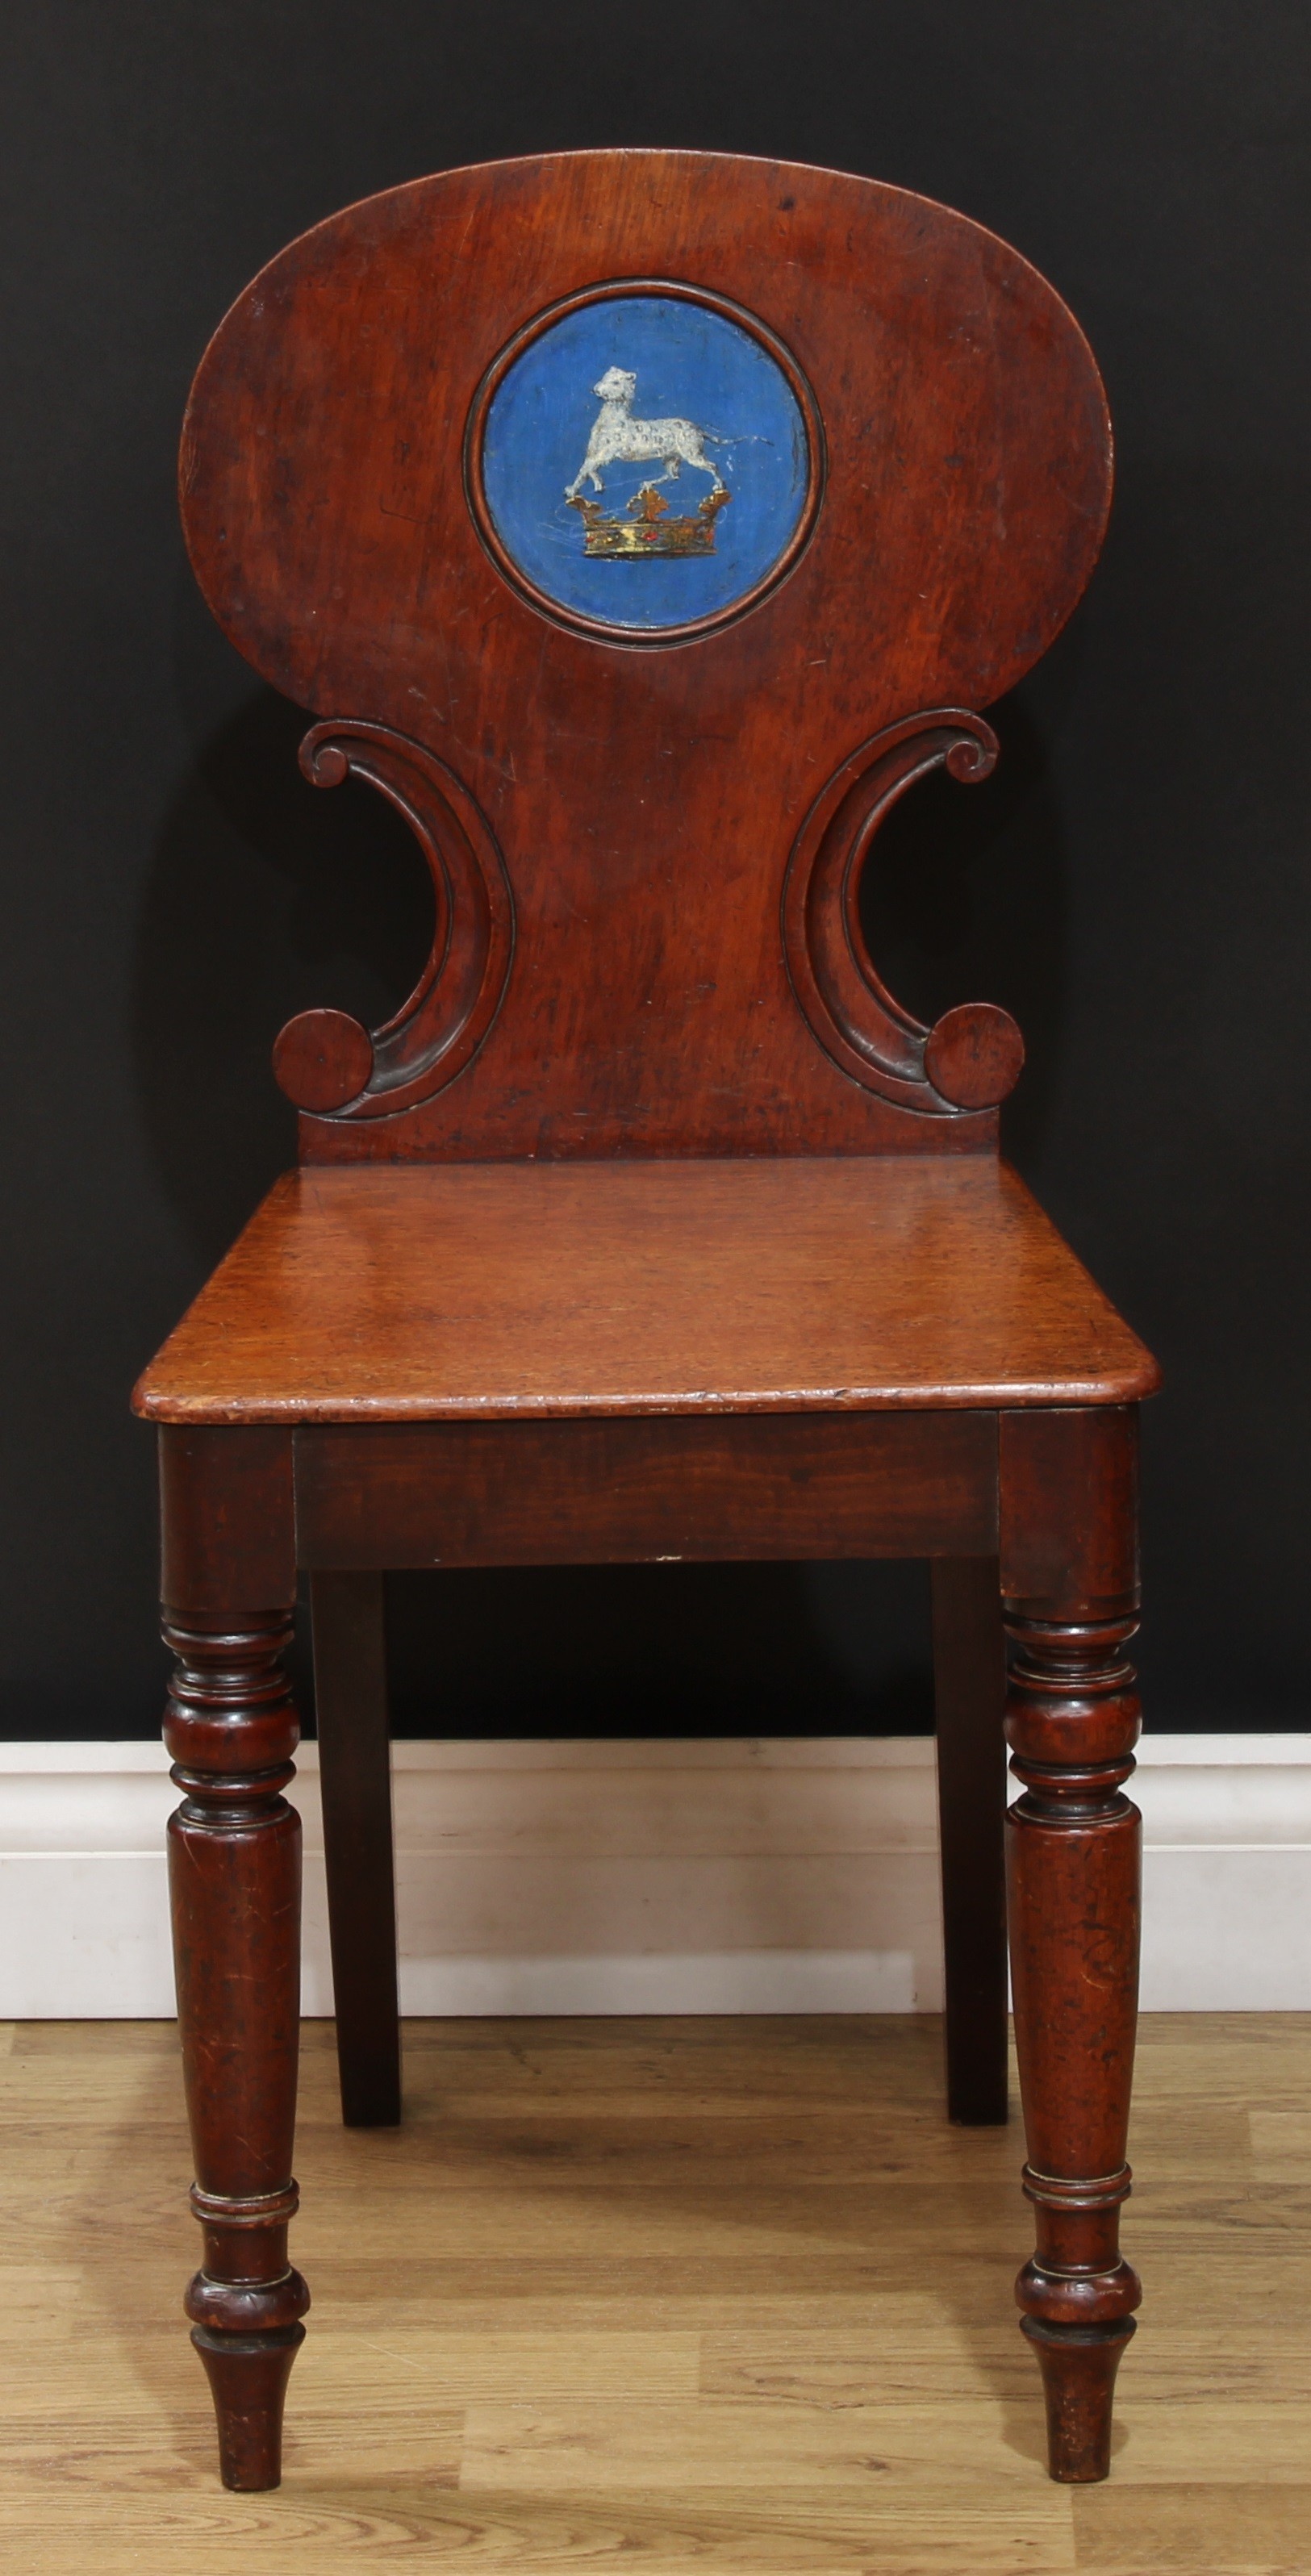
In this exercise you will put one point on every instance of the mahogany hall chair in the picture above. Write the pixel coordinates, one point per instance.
(643, 525)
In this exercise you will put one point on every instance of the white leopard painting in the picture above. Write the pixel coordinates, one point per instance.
(618, 439)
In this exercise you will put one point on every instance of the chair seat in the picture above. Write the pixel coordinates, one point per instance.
(394, 1293)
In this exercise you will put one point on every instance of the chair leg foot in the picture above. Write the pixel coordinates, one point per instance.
(248, 2377)
(1078, 2365)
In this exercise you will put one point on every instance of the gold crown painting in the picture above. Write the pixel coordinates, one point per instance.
(650, 528)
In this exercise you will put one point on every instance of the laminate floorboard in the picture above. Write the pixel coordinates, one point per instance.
(672, 2295)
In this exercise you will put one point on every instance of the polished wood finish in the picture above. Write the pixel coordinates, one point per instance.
(234, 1875)
(973, 1055)
(699, 2294)
(969, 1692)
(651, 1224)
(691, 1287)
(1068, 1519)
(644, 803)
(350, 1707)
(620, 1492)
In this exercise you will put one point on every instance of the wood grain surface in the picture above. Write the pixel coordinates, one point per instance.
(402, 1294)
(651, 1488)
(620, 814)
(674, 2294)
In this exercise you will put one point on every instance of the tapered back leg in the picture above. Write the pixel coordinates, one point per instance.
(350, 1689)
(970, 1688)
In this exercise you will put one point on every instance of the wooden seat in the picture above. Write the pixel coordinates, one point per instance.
(455, 1292)
(643, 526)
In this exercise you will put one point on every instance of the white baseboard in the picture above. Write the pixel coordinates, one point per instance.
(743, 1875)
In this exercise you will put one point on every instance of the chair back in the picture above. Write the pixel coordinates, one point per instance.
(642, 524)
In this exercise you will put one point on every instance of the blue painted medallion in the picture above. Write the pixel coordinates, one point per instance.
(645, 462)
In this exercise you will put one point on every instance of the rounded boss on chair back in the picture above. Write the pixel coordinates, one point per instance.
(642, 524)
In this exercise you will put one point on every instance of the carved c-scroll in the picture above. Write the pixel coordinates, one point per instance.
(324, 1060)
(972, 1058)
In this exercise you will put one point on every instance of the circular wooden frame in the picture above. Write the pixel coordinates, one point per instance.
(614, 290)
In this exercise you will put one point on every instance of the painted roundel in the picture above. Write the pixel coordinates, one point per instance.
(645, 464)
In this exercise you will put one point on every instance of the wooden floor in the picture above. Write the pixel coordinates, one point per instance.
(662, 2295)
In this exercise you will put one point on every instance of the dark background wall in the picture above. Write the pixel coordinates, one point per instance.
(1132, 883)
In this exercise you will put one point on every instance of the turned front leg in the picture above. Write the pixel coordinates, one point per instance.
(234, 1874)
(1073, 1884)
